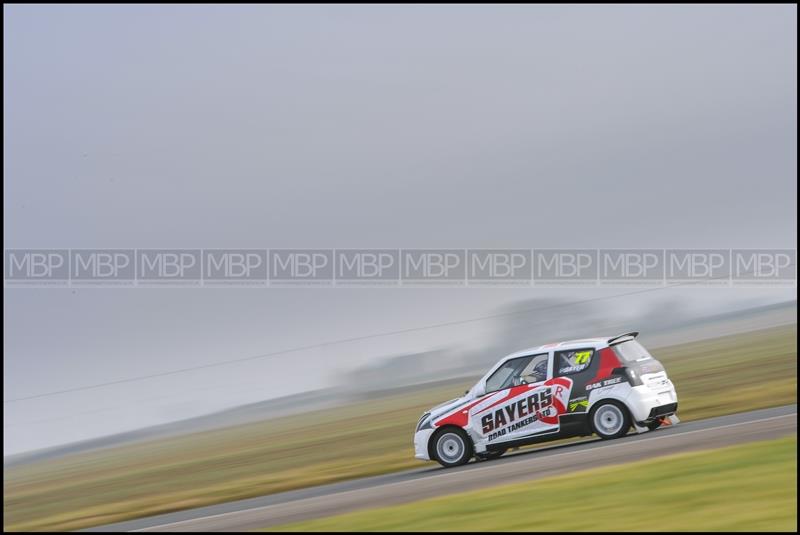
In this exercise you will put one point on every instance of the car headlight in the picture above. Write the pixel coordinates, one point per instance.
(424, 422)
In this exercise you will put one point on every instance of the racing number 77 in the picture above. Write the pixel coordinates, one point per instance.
(582, 357)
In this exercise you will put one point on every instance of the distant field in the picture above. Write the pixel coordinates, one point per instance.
(726, 375)
(751, 487)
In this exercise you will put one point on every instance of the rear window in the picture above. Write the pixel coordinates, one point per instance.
(631, 351)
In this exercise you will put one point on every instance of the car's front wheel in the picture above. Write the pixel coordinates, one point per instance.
(610, 419)
(451, 447)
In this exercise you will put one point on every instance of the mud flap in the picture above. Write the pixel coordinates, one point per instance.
(666, 421)
(479, 447)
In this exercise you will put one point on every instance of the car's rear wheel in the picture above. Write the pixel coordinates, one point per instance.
(610, 419)
(451, 447)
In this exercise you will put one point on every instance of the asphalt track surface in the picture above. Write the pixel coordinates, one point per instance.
(431, 480)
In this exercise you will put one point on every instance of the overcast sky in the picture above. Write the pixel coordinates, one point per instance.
(361, 126)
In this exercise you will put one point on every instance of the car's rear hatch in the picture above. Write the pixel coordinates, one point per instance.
(649, 371)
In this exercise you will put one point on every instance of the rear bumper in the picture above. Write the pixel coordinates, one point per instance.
(647, 405)
(663, 410)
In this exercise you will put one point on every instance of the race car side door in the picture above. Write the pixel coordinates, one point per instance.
(521, 401)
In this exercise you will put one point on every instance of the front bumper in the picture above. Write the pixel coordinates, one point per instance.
(421, 439)
(647, 404)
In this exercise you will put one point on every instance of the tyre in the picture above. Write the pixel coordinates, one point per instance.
(610, 419)
(489, 455)
(451, 447)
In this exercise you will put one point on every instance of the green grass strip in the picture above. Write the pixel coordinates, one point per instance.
(739, 488)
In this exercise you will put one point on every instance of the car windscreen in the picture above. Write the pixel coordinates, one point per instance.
(631, 351)
(501, 378)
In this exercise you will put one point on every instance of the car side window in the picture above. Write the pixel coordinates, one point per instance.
(505, 374)
(535, 371)
(573, 361)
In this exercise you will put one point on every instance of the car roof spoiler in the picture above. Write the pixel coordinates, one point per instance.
(622, 337)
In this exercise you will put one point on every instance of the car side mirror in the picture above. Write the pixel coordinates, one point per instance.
(480, 390)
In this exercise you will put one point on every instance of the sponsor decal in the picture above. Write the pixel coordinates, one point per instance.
(578, 404)
(512, 428)
(530, 405)
(574, 361)
(607, 382)
(525, 407)
(514, 408)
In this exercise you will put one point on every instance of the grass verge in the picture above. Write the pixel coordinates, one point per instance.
(750, 487)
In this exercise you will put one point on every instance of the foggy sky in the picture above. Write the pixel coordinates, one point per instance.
(361, 126)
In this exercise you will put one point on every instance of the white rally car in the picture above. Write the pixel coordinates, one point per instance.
(576, 388)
